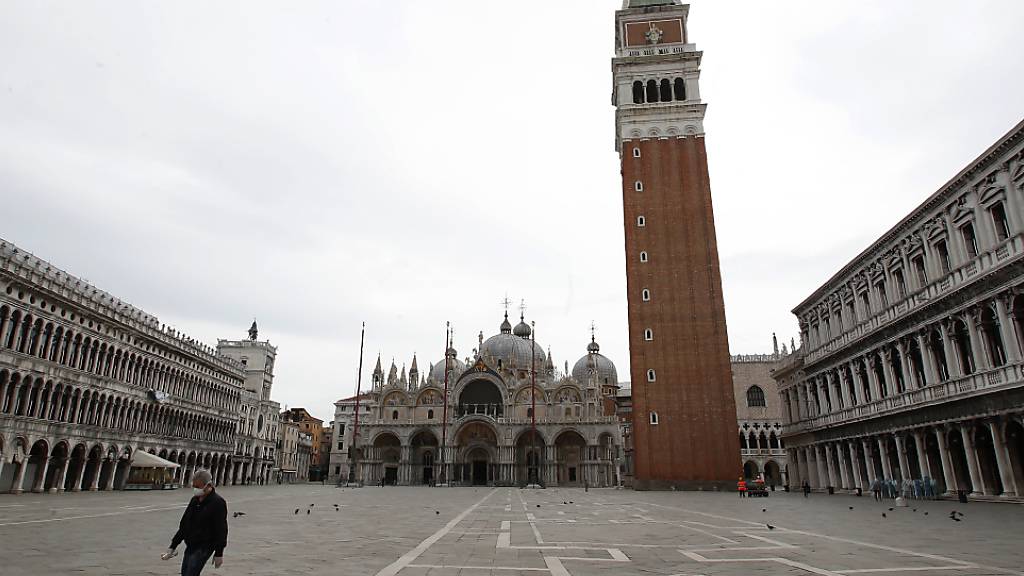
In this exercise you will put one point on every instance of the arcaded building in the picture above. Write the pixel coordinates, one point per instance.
(759, 418)
(682, 391)
(87, 381)
(911, 363)
(491, 435)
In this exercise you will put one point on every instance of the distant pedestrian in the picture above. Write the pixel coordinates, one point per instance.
(203, 527)
(807, 488)
(741, 487)
(876, 489)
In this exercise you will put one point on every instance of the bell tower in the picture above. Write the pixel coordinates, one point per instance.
(683, 407)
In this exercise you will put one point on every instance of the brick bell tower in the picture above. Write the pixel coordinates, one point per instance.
(683, 407)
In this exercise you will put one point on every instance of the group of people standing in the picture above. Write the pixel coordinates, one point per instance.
(918, 488)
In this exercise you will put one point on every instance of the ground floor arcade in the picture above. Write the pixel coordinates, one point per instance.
(980, 456)
(481, 453)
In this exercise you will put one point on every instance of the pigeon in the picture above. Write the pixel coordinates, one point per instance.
(960, 514)
(770, 527)
(851, 507)
(311, 505)
(890, 509)
(925, 513)
(957, 520)
(570, 502)
(437, 512)
(883, 515)
(538, 505)
(307, 512)
(237, 514)
(764, 509)
(296, 510)
(914, 509)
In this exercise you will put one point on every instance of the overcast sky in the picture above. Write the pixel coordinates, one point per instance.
(318, 164)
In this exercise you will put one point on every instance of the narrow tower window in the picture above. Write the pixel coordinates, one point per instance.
(641, 221)
(666, 90)
(654, 417)
(643, 256)
(636, 152)
(638, 186)
(651, 376)
(680, 89)
(645, 295)
(652, 91)
(638, 92)
(648, 334)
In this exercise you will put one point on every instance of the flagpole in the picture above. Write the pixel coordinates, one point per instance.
(444, 413)
(533, 401)
(355, 432)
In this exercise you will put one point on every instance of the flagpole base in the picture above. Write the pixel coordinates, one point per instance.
(534, 487)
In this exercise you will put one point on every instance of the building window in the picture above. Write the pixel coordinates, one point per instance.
(394, 415)
(643, 256)
(666, 90)
(638, 92)
(641, 221)
(654, 417)
(341, 445)
(636, 152)
(430, 414)
(648, 334)
(922, 273)
(901, 283)
(645, 295)
(638, 186)
(680, 89)
(999, 222)
(755, 396)
(651, 376)
(337, 469)
(883, 297)
(865, 303)
(652, 91)
(529, 412)
(943, 251)
(970, 240)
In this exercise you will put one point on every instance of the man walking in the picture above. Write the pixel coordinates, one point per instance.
(203, 527)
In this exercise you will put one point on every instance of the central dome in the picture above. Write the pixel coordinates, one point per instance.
(597, 364)
(507, 350)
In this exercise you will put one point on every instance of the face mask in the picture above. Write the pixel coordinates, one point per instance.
(199, 491)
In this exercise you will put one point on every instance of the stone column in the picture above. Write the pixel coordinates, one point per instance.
(901, 455)
(953, 361)
(1003, 460)
(948, 474)
(931, 373)
(79, 476)
(94, 485)
(2, 457)
(19, 477)
(1007, 330)
(876, 387)
(61, 476)
(855, 462)
(819, 464)
(890, 378)
(844, 475)
(883, 455)
(922, 454)
(978, 348)
(849, 395)
(972, 461)
(858, 388)
(113, 473)
(829, 465)
(39, 482)
(909, 375)
(820, 394)
(869, 463)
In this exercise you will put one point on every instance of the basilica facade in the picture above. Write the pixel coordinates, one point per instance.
(488, 434)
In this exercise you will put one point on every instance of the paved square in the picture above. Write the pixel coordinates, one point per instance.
(509, 532)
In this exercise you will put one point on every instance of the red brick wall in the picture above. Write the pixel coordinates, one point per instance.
(694, 445)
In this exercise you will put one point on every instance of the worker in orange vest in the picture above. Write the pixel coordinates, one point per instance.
(741, 486)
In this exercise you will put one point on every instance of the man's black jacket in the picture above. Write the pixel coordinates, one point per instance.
(204, 524)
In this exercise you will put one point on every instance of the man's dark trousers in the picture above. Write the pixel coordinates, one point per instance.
(194, 559)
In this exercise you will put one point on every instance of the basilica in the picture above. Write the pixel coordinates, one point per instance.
(512, 419)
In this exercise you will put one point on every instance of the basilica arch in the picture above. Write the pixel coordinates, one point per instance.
(476, 453)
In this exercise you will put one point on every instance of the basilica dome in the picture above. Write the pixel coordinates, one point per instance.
(505, 350)
(457, 367)
(595, 362)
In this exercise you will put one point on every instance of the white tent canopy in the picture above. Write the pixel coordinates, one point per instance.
(143, 459)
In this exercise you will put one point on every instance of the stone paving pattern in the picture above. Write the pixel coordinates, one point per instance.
(420, 531)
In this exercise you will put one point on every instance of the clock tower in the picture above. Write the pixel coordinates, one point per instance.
(684, 414)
